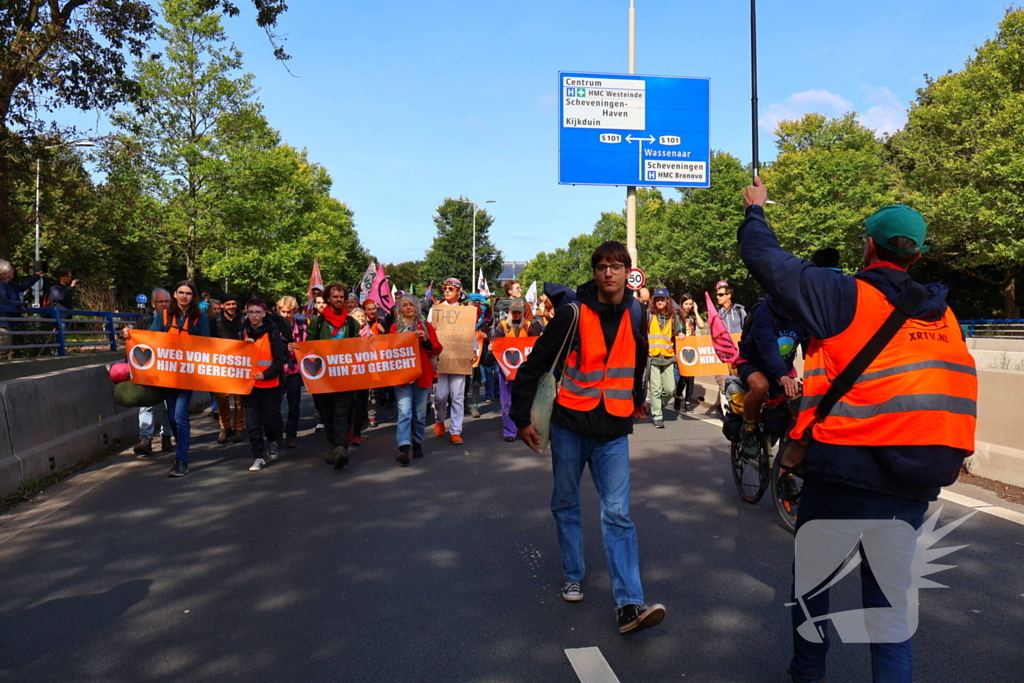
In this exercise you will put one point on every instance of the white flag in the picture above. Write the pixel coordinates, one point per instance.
(531, 294)
(481, 284)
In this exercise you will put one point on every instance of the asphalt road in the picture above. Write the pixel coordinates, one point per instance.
(447, 570)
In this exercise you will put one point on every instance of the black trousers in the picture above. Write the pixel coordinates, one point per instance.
(336, 410)
(360, 411)
(292, 389)
(262, 415)
(685, 383)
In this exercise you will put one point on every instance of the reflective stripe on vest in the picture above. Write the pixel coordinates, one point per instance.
(921, 390)
(593, 375)
(659, 338)
(510, 330)
(172, 328)
(264, 359)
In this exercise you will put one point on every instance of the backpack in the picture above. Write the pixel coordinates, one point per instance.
(748, 322)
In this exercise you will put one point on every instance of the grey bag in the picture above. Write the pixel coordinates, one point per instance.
(547, 390)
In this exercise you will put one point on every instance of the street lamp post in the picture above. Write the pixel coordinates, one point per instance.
(37, 289)
(467, 201)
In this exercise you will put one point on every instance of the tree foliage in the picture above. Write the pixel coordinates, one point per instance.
(962, 160)
(451, 254)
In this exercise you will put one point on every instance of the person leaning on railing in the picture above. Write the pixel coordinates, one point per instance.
(10, 295)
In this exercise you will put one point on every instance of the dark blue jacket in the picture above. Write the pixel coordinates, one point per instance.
(824, 302)
(772, 340)
(10, 295)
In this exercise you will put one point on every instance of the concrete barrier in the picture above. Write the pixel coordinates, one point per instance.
(1000, 437)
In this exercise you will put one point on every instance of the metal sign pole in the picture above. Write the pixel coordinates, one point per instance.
(753, 85)
(631, 190)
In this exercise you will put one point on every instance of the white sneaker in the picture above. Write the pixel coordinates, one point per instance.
(319, 426)
(257, 465)
(272, 451)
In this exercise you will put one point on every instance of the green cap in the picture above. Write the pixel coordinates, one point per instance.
(897, 220)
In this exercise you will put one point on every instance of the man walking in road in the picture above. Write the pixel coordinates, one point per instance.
(229, 324)
(884, 438)
(603, 390)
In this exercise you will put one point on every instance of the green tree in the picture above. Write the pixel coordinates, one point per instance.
(74, 54)
(406, 273)
(451, 254)
(571, 266)
(830, 175)
(962, 159)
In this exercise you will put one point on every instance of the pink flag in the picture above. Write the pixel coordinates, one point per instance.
(381, 291)
(721, 340)
(314, 280)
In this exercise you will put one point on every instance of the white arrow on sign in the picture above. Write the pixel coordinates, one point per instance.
(640, 152)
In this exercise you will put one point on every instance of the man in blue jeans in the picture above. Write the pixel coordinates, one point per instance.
(603, 390)
(884, 450)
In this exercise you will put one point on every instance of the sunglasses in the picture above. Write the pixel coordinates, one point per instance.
(450, 289)
(722, 294)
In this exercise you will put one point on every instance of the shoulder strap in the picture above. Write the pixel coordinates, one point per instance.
(568, 337)
(905, 306)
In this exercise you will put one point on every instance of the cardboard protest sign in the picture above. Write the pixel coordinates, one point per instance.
(455, 326)
(331, 365)
(181, 361)
(511, 352)
(696, 357)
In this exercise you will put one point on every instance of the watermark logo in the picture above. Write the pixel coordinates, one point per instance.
(900, 558)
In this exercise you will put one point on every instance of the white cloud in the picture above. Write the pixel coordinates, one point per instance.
(879, 109)
(798, 104)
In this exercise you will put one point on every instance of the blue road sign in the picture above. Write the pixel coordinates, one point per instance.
(623, 129)
(141, 299)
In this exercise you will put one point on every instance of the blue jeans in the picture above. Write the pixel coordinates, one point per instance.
(491, 384)
(890, 662)
(410, 396)
(213, 402)
(177, 401)
(609, 468)
(149, 416)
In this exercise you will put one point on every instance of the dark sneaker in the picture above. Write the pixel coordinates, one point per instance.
(180, 469)
(638, 617)
(748, 445)
(291, 442)
(659, 424)
(165, 443)
(417, 450)
(257, 465)
(340, 454)
(474, 411)
(572, 592)
(510, 439)
(403, 455)
(677, 402)
(272, 451)
(237, 438)
(144, 446)
(223, 436)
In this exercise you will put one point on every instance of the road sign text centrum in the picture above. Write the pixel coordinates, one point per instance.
(621, 129)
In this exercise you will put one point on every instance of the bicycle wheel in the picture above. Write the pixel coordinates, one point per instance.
(748, 477)
(785, 492)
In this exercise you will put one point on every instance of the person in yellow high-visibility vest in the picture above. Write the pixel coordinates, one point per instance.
(660, 340)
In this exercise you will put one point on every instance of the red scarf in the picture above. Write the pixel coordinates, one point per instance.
(336, 321)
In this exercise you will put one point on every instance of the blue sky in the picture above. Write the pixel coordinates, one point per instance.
(407, 103)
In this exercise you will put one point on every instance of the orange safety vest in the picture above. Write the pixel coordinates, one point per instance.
(510, 331)
(921, 390)
(659, 339)
(174, 329)
(592, 373)
(264, 359)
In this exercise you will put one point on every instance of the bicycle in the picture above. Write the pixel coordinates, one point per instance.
(753, 477)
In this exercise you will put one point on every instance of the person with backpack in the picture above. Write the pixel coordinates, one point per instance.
(181, 317)
(263, 403)
(334, 322)
(661, 341)
(888, 415)
(412, 397)
(603, 390)
(291, 381)
(514, 326)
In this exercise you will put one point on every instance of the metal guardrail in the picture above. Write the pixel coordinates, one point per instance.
(66, 327)
(994, 329)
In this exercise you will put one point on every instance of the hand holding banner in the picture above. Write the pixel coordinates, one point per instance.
(696, 357)
(512, 352)
(455, 326)
(181, 361)
(332, 365)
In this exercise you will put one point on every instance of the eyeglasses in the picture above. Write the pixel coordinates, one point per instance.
(722, 294)
(615, 268)
(255, 313)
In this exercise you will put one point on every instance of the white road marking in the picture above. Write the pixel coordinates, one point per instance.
(590, 665)
(982, 506)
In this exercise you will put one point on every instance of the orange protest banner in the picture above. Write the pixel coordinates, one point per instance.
(696, 357)
(181, 361)
(332, 365)
(511, 352)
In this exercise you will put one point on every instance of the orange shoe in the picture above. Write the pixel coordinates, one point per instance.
(456, 439)
(439, 428)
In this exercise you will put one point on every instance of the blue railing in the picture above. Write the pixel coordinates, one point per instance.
(66, 328)
(996, 328)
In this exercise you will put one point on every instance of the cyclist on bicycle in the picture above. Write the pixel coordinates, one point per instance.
(767, 349)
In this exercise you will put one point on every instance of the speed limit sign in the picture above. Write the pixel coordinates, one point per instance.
(636, 279)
